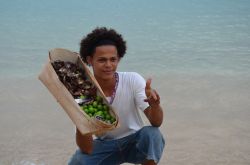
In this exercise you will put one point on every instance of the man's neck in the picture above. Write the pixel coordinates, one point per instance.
(106, 85)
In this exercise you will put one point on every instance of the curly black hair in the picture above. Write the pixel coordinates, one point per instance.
(89, 42)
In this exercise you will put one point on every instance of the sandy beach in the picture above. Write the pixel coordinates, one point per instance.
(206, 122)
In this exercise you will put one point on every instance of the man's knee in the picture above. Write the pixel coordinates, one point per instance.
(151, 143)
(150, 132)
(77, 158)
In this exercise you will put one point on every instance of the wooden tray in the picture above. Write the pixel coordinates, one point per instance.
(48, 76)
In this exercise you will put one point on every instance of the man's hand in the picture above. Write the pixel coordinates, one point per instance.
(153, 97)
(154, 112)
(84, 142)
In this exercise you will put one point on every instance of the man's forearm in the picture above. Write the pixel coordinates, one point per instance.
(155, 115)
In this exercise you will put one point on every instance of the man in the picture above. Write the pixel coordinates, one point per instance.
(128, 93)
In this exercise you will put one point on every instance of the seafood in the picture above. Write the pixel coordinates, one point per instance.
(83, 90)
(74, 79)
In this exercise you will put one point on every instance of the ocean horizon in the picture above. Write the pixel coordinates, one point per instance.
(169, 36)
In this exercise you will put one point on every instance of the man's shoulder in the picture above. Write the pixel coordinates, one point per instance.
(131, 78)
(129, 74)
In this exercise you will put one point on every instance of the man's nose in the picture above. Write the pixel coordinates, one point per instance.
(108, 63)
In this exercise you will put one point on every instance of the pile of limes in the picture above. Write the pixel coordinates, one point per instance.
(99, 110)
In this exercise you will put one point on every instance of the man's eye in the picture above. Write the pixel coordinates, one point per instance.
(101, 60)
(113, 59)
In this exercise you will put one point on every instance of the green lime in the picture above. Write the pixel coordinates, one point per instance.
(95, 104)
(91, 109)
(82, 97)
(98, 99)
(105, 112)
(105, 107)
(107, 117)
(95, 110)
(112, 119)
(102, 115)
(99, 113)
(99, 107)
(86, 110)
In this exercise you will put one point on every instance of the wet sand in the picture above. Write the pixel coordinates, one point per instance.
(206, 122)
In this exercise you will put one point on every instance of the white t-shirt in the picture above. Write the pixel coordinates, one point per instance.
(128, 101)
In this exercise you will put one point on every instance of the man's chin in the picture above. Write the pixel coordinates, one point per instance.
(107, 76)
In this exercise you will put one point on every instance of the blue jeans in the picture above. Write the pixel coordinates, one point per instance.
(146, 144)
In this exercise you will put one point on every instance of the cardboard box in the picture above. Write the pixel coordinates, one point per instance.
(48, 76)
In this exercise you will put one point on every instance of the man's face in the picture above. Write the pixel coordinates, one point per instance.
(104, 61)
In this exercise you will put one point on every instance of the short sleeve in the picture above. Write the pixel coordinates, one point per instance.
(139, 85)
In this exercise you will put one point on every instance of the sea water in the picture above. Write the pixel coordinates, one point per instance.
(179, 36)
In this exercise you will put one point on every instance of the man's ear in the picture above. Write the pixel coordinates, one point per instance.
(89, 60)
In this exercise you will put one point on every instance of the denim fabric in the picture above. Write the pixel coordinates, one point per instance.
(146, 144)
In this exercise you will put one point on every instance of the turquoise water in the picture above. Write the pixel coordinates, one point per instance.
(181, 36)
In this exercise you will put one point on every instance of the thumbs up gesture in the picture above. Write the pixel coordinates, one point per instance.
(153, 97)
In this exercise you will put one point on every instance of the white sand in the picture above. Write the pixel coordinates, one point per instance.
(206, 122)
